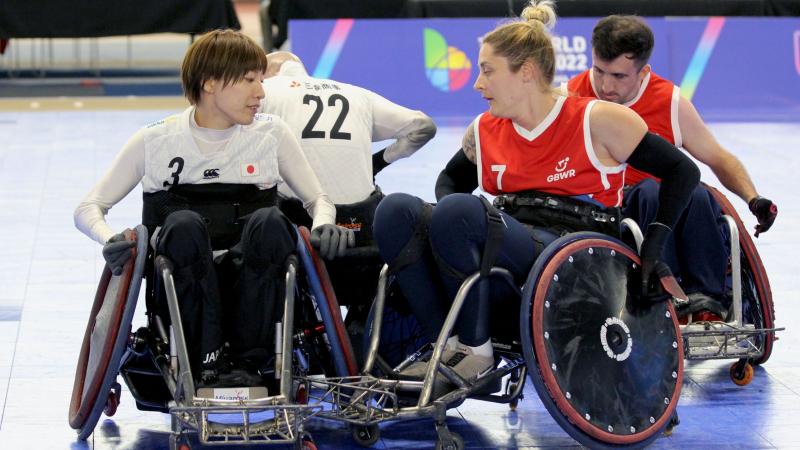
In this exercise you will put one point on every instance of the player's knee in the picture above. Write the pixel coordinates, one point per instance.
(396, 218)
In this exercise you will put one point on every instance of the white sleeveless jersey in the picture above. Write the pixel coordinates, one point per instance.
(250, 156)
(333, 122)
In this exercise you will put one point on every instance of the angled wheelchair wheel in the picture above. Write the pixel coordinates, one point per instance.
(757, 306)
(607, 370)
(105, 340)
(342, 351)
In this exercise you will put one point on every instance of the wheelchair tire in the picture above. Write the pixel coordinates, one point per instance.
(320, 283)
(757, 306)
(105, 340)
(608, 370)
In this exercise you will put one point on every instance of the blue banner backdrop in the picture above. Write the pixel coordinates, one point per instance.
(731, 68)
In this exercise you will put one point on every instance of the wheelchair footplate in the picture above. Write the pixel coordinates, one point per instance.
(366, 400)
(359, 400)
(721, 340)
(261, 421)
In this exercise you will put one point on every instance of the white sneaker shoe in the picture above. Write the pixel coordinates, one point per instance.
(417, 369)
(468, 365)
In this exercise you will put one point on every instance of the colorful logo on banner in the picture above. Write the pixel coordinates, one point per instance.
(447, 68)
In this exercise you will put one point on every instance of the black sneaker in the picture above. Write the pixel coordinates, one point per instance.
(702, 308)
(211, 372)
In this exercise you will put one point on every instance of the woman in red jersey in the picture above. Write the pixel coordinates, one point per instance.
(534, 146)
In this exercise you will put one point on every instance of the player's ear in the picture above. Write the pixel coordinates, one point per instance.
(209, 86)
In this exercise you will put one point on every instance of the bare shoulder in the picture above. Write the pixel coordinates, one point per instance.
(468, 142)
(613, 120)
(615, 130)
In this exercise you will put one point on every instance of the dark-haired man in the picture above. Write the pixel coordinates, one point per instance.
(620, 73)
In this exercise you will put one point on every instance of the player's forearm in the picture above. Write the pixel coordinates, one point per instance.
(90, 220)
(734, 177)
(421, 130)
(298, 174)
(125, 173)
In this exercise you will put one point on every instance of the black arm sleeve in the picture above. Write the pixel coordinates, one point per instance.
(679, 175)
(460, 175)
(378, 163)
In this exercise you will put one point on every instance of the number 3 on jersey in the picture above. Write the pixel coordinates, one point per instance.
(500, 169)
(177, 164)
(336, 131)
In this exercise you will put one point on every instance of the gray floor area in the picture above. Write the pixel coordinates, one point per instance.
(49, 272)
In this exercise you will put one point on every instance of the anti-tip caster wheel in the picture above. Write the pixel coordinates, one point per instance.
(112, 402)
(366, 435)
(674, 421)
(456, 443)
(741, 373)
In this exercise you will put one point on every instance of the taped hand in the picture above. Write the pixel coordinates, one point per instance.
(116, 252)
(765, 211)
(332, 240)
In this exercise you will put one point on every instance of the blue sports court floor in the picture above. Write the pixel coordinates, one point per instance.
(49, 271)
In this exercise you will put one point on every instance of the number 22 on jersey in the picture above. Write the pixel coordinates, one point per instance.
(335, 101)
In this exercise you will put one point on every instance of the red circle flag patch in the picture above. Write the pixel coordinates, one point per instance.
(249, 169)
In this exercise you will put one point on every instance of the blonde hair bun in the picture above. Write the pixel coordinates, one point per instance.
(543, 11)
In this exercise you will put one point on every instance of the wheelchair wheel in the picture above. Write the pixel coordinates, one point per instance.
(105, 341)
(344, 360)
(757, 306)
(401, 334)
(608, 370)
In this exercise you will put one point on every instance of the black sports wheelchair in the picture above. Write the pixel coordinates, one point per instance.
(153, 360)
(607, 368)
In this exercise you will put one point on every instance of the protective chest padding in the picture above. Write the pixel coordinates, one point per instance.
(560, 214)
(223, 206)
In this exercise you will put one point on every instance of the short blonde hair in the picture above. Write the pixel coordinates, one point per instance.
(528, 38)
(225, 55)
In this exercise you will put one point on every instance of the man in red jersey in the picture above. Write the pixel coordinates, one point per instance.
(620, 73)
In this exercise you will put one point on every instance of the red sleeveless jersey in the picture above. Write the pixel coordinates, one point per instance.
(656, 103)
(555, 157)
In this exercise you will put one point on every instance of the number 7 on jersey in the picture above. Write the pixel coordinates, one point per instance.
(500, 169)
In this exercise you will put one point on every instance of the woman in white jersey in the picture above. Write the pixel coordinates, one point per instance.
(209, 177)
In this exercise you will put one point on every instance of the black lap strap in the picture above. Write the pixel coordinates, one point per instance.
(418, 243)
(222, 205)
(560, 214)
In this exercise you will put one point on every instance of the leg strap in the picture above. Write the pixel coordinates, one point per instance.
(495, 227)
(494, 236)
(417, 244)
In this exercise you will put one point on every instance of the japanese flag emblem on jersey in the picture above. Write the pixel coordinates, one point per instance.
(249, 169)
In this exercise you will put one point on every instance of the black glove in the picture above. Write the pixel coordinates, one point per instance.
(652, 266)
(332, 240)
(116, 252)
(765, 211)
